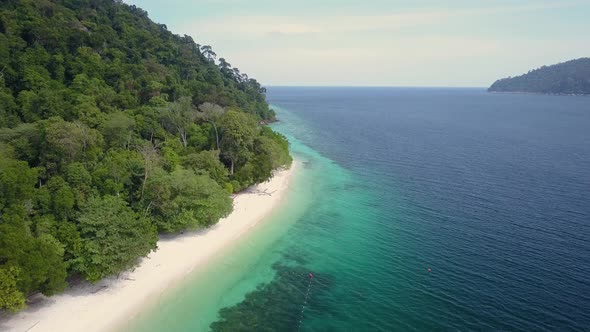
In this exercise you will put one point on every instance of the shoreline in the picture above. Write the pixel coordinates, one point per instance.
(112, 302)
(541, 93)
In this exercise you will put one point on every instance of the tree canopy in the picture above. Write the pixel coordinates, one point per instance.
(112, 130)
(571, 77)
(113, 237)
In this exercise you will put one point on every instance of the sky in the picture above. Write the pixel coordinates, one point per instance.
(454, 43)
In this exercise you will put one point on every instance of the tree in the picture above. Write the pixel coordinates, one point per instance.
(39, 259)
(120, 171)
(63, 140)
(79, 179)
(179, 117)
(62, 197)
(118, 130)
(11, 298)
(212, 113)
(68, 235)
(183, 200)
(71, 141)
(25, 140)
(208, 53)
(225, 68)
(151, 160)
(239, 130)
(200, 136)
(17, 181)
(113, 237)
(207, 162)
(224, 65)
(275, 145)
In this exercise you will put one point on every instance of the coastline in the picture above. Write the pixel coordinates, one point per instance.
(540, 93)
(110, 303)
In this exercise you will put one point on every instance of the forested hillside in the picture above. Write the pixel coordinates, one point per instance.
(112, 130)
(571, 77)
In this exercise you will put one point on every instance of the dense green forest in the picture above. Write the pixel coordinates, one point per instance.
(113, 130)
(571, 77)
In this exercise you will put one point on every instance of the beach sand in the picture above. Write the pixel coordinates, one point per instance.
(112, 302)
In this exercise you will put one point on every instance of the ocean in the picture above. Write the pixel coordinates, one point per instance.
(415, 209)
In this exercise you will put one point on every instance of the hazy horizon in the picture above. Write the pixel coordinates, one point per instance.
(385, 44)
(375, 86)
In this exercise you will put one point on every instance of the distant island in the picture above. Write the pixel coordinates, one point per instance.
(567, 78)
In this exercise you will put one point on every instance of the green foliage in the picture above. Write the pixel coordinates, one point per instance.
(11, 298)
(183, 200)
(118, 131)
(237, 138)
(17, 181)
(67, 142)
(199, 136)
(25, 139)
(178, 118)
(207, 162)
(111, 129)
(80, 180)
(118, 172)
(40, 259)
(271, 151)
(62, 197)
(571, 77)
(170, 157)
(212, 113)
(252, 152)
(113, 237)
(52, 253)
(68, 235)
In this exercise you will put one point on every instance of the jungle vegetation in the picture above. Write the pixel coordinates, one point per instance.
(112, 131)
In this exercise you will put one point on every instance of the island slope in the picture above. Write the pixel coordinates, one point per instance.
(571, 77)
(114, 130)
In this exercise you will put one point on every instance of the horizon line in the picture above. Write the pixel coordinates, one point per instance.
(374, 86)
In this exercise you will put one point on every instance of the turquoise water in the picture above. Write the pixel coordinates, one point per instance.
(415, 209)
(194, 304)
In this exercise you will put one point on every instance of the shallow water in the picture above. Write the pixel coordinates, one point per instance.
(489, 191)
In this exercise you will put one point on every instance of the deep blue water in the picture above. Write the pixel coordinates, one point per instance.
(490, 191)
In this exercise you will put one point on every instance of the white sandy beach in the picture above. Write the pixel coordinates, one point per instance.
(112, 302)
